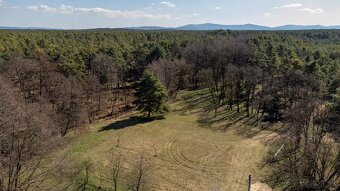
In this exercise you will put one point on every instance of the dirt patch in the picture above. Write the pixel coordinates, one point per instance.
(260, 187)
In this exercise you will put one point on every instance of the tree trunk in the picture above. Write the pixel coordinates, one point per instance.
(248, 104)
(231, 98)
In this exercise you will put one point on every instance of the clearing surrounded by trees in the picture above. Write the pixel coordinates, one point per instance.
(156, 110)
(186, 153)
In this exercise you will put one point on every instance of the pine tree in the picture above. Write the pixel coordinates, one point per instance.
(151, 95)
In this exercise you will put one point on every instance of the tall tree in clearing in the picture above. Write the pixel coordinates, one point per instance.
(151, 95)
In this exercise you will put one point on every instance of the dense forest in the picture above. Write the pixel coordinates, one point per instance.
(55, 82)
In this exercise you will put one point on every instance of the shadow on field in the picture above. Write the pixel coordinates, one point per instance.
(129, 122)
(199, 102)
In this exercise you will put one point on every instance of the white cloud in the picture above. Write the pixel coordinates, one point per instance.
(67, 9)
(1, 2)
(218, 8)
(302, 8)
(294, 5)
(312, 10)
(44, 8)
(168, 4)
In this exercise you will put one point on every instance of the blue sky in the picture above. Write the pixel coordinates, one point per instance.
(79, 14)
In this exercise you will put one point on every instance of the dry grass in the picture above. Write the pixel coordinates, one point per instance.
(190, 155)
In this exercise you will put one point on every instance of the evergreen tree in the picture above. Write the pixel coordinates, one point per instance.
(151, 95)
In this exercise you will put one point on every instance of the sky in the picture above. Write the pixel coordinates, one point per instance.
(80, 14)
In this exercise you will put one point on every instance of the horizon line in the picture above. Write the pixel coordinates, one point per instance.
(169, 27)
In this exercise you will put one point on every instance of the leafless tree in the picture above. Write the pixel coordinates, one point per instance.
(116, 168)
(139, 179)
(310, 159)
(169, 73)
(251, 81)
(194, 56)
(111, 75)
(26, 135)
(106, 69)
(69, 104)
(30, 75)
(92, 89)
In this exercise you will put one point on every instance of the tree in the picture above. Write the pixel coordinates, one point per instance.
(169, 73)
(193, 55)
(106, 70)
(26, 135)
(116, 167)
(335, 114)
(310, 159)
(69, 104)
(151, 95)
(92, 89)
(139, 179)
(252, 77)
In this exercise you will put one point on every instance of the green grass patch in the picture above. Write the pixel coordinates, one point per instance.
(194, 150)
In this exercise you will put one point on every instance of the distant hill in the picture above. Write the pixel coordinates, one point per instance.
(202, 27)
(305, 27)
(151, 28)
(211, 26)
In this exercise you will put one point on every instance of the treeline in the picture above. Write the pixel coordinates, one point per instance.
(55, 81)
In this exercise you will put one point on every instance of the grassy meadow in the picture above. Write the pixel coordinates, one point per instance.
(189, 149)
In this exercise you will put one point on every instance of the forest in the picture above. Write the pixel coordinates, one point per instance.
(54, 83)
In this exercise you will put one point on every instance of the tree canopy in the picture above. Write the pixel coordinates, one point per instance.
(150, 95)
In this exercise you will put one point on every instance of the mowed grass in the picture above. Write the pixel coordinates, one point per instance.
(188, 150)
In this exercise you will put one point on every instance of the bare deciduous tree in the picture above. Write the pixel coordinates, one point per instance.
(139, 179)
(26, 135)
(92, 89)
(69, 104)
(310, 159)
(106, 69)
(169, 73)
(116, 167)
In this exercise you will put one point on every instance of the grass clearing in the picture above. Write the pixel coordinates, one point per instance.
(193, 152)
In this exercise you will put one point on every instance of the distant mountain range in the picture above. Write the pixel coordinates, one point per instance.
(204, 27)
(211, 26)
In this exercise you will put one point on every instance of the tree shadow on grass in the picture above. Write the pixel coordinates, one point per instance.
(200, 103)
(132, 121)
(197, 100)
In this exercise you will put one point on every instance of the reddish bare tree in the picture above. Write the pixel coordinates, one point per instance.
(70, 107)
(169, 73)
(26, 135)
(92, 89)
